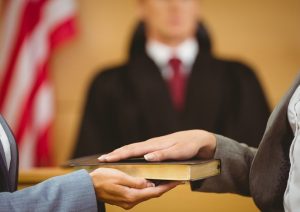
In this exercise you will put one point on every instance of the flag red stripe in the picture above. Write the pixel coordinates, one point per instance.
(42, 153)
(28, 22)
(64, 30)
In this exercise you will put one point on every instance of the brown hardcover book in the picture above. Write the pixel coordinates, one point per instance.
(167, 170)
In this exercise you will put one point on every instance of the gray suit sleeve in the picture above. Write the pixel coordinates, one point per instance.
(71, 192)
(236, 160)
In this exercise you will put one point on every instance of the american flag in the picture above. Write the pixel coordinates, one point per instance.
(32, 29)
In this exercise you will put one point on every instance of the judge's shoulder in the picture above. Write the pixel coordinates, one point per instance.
(108, 78)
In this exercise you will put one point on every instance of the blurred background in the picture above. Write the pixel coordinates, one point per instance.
(264, 34)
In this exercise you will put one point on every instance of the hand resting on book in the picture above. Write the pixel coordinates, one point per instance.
(177, 146)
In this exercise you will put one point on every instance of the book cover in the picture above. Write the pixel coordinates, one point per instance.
(189, 170)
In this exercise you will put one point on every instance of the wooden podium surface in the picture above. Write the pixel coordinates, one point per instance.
(178, 200)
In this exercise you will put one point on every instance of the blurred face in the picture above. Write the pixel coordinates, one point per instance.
(169, 21)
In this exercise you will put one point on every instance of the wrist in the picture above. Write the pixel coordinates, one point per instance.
(209, 141)
(93, 177)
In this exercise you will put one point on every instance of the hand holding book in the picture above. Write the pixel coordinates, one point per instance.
(117, 188)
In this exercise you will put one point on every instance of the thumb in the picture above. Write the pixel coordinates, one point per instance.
(135, 182)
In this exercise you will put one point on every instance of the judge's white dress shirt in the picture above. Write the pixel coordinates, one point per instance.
(161, 54)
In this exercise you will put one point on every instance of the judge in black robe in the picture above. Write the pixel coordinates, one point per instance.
(132, 102)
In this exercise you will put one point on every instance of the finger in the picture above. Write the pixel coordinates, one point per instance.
(132, 150)
(135, 182)
(136, 196)
(176, 152)
(117, 177)
(135, 150)
(129, 151)
(161, 189)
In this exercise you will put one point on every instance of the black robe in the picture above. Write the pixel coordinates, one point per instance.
(132, 103)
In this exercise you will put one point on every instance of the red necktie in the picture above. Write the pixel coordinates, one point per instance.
(177, 84)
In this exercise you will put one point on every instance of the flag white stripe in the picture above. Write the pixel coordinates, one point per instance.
(62, 9)
(44, 99)
(26, 150)
(11, 25)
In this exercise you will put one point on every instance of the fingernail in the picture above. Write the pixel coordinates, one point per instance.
(102, 157)
(149, 157)
(107, 158)
(149, 184)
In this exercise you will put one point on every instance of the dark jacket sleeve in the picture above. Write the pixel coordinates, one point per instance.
(249, 110)
(236, 161)
(96, 133)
